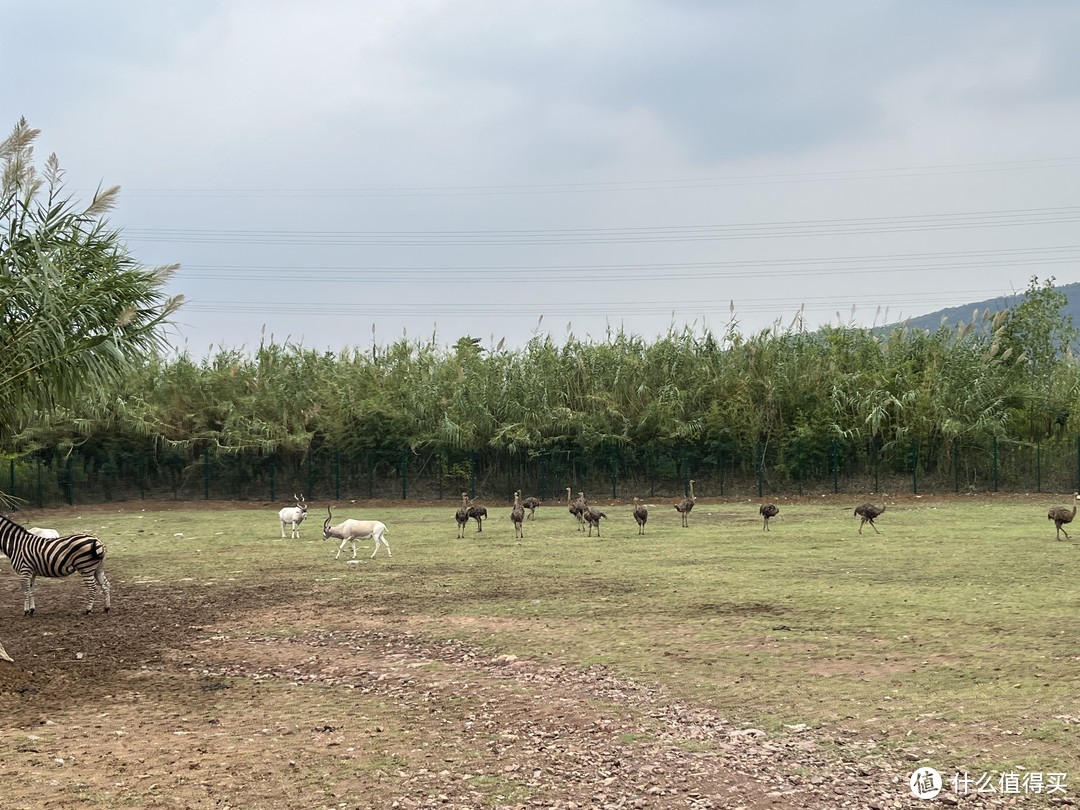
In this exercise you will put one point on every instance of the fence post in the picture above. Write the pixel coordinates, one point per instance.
(543, 477)
(11, 488)
(995, 446)
(472, 474)
(273, 474)
(614, 471)
(206, 474)
(720, 466)
(914, 466)
(337, 475)
(956, 465)
(70, 467)
(1038, 467)
(404, 474)
(835, 468)
(760, 469)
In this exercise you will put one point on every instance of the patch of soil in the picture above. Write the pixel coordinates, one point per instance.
(182, 697)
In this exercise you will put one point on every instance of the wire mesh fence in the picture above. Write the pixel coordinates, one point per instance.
(796, 467)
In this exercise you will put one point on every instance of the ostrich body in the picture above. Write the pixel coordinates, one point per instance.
(684, 506)
(868, 512)
(576, 508)
(517, 515)
(462, 515)
(768, 510)
(641, 514)
(1060, 515)
(531, 504)
(477, 513)
(592, 517)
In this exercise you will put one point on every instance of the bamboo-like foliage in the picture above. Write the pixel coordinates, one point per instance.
(76, 310)
(787, 390)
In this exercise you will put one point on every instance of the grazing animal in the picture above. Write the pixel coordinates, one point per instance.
(350, 531)
(592, 517)
(768, 510)
(517, 515)
(462, 515)
(641, 514)
(32, 556)
(4, 656)
(531, 503)
(478, 513)
(684, 506)
(48, 534)
(294, 515)
(868, 513)
(576, 508)
(1060, 515)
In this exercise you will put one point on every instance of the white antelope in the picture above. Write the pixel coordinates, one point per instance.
(350, 531)
(294, 515)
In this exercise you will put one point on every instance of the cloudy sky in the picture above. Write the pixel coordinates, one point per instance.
(336, 172)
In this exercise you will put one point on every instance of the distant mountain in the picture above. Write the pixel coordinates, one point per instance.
(962, 314)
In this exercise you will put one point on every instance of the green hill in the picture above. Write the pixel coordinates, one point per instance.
(963, 313)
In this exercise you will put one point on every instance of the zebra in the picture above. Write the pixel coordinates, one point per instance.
(32, 556)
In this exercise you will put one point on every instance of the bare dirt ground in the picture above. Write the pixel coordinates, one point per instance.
(194, 705)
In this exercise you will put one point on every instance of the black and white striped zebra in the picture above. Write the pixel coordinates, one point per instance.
(32, 556)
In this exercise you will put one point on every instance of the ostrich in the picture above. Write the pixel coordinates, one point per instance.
(768, 510)
(867, 511)
(462, 515)
(641, 514)
(517, 515)
(592, 517)
(684, 506)
(531, 504)
(1060, 515)
(576, 508)
(477, 513)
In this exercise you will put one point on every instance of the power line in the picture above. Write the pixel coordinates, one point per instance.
(572, 308)
(759, 268)
(592, 187)
(625, 235)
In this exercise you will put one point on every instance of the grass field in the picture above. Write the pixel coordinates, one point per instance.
(949, 639)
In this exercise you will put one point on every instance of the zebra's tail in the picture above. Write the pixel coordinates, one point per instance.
(99, 549)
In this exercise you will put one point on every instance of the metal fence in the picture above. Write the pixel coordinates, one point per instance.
(619, 472)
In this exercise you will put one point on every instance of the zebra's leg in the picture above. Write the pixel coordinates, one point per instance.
(28, 594)
(89, 579)
(103, 581)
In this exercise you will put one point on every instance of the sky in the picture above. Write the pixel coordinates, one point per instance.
(335, 174)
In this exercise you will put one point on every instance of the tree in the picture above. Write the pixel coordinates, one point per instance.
(76, 309)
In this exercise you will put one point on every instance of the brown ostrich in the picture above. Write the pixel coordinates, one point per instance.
(868, 512)
(462, 515)
(768, 510)
(592, 517)
(641, 514)
(517, 515)
(684, 506)
(1060, 515)
(477, 513)
(531, 504)
(576, 508)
